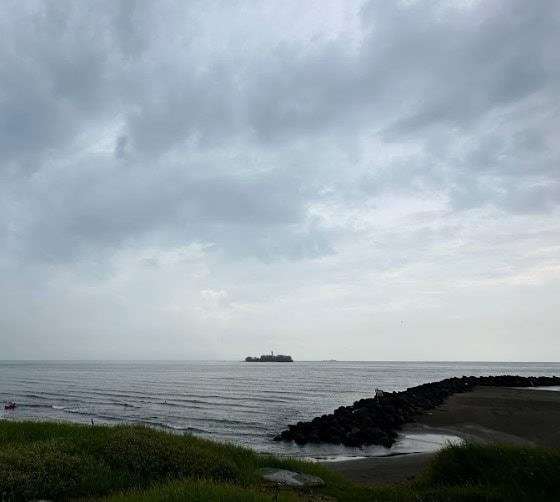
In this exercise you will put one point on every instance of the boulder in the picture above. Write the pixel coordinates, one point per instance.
(376, 420)
(283, 477)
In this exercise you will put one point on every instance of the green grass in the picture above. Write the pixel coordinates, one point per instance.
(202, 490)
(61, 461)
(127, 463)
(497, 472)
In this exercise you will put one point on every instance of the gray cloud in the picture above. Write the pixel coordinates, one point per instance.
(120, 147)
(296, 149)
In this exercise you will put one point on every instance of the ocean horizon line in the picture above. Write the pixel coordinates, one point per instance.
(123, 360)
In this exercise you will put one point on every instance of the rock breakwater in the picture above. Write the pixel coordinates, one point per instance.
(377, 420)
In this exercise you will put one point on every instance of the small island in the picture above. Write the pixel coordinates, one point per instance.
(270, 358)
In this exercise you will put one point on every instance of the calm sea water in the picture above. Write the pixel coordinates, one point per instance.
(244, 403)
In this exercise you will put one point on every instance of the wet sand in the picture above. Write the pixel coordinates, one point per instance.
(487, 415)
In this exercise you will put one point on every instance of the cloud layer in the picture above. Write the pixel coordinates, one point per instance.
(344, 179)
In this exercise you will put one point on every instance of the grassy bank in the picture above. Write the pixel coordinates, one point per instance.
(126, 463)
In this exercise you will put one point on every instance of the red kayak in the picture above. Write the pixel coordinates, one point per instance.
(10, 406)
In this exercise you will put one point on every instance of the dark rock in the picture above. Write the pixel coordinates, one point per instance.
(375, 421)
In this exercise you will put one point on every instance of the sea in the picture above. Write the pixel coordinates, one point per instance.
(242, 403)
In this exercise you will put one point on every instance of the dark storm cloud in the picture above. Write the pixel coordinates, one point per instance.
(173, 111)
(100, 207)
(429, 64)
(430, 74)
(188, 178)
(120, 147)
(54, 79)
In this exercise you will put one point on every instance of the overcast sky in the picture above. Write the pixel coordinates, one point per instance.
(346, 179)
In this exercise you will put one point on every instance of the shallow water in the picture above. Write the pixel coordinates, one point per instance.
(553, 388)
(245, 403)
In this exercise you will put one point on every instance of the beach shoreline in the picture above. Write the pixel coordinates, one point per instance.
(487, 415)
(59, 461)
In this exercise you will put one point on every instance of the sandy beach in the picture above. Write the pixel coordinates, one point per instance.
(486, 415)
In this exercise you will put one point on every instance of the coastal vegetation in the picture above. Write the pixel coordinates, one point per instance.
(270, 358)
(56, 461)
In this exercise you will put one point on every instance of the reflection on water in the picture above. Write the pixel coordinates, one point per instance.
(551, 388)
(406, 444)
(244, 403)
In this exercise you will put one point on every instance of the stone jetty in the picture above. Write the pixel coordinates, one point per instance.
(377, 420)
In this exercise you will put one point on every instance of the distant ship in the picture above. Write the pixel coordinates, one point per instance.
(279, 358)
